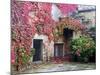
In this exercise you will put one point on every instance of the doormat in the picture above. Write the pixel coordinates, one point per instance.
(52, 37)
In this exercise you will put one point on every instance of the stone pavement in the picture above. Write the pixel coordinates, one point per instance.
(51, 67)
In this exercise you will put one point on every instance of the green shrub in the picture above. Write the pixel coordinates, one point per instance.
(23, 56)
(83, 47)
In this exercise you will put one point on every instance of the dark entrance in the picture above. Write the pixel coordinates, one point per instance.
(67, 35)
(37, 44)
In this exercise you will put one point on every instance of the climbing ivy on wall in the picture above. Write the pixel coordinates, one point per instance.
(26, 16)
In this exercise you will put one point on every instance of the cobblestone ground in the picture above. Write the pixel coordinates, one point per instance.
(51, 67)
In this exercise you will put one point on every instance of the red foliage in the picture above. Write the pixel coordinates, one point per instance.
(67, 8)
(23, 26)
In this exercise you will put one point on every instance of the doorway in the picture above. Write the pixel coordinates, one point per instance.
(37, 44)
(67, 35)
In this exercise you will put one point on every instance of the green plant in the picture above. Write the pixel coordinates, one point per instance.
(23, 55)
(32, 51)
(83, 47)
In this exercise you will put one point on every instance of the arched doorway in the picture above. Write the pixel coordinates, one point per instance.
(67, 29)
(67, 36)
